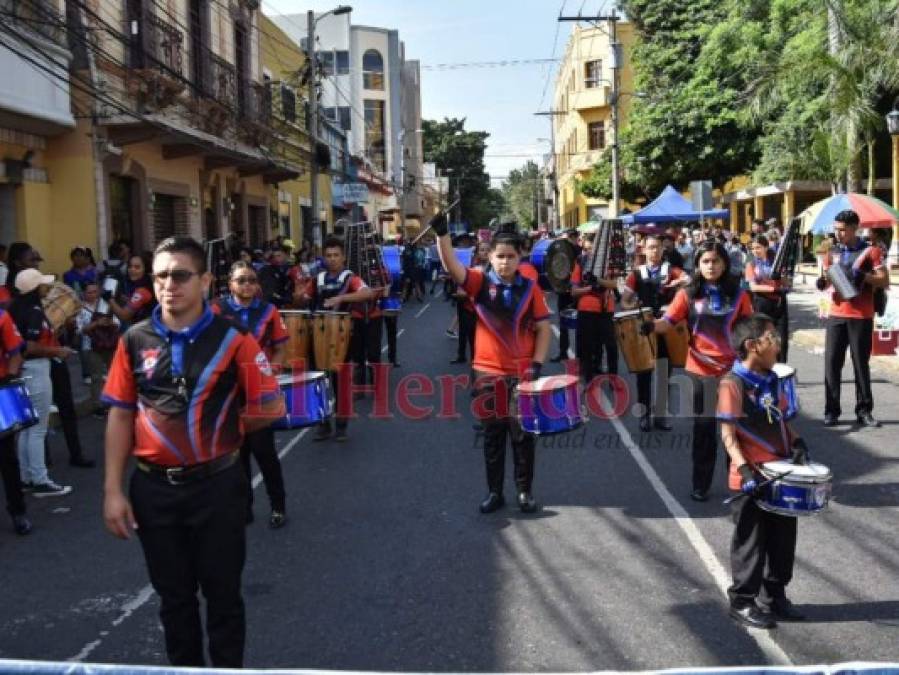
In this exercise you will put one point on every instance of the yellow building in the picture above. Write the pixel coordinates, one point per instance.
(582, 114)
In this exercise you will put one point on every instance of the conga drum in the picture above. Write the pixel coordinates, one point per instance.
(639, 350)
(61, 305)
(677, 342)
(299, 336)
(330, 338)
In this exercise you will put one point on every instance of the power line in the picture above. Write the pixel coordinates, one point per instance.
(552, 55)
(488, 64)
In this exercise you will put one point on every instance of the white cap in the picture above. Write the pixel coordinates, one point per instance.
(29, 279)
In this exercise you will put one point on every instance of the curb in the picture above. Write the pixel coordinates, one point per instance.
(813, 339)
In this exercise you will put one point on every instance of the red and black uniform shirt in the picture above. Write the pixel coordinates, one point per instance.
(649, 283)
(139, 300)
(34, 326)
(710, 317)
(11, 342)
(753, 404)
(324, 285)
(260, 319)
(188, 387)
(598, 302)
(505, 337)
(862, 258)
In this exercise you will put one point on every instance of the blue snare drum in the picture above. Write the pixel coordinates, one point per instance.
(568, 319)
(16, 410)
(538, 260)
(786, 379)
(391, 305)
(464, 255)
(549, 405)
(804, 492)
(307, 397)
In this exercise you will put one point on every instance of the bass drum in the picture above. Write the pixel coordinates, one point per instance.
(560, 259)
(538, 260)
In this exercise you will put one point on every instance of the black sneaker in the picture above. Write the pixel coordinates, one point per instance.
(21, 525)
(50, 489)
(341, 436)
(277, 519)
(699, 496)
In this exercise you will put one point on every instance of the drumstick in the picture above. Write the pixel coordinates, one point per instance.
(764, 483)
(430, 227)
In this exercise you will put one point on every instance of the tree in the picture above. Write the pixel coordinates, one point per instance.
(521, 193)
(459, 154)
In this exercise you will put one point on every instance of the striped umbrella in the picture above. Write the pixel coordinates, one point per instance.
(872, 212)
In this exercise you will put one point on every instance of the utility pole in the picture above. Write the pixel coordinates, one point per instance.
(616, 55)
(313, 122)
(554, 175)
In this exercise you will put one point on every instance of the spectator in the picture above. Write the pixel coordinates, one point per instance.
(20, 257)
(115, 266)
(82, 271)
(684, 246)
(4, 270)
(98, 329)
(135, 300)
(275, 280)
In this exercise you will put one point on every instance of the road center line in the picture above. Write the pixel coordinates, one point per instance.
(571, 353)
(773, 651)
(398, 334)
(143, 596)
(422, 310)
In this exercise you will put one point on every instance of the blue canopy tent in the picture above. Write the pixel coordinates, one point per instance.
(671, 206)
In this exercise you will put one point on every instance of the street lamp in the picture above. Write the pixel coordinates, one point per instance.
(893, 128)
(311, 21)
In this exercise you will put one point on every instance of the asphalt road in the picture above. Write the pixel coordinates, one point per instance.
(386, 563)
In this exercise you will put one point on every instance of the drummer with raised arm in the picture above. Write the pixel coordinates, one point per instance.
(511, 341)
(334, 289)
(652, 285)
(754, 429)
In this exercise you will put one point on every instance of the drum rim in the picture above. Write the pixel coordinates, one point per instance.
(306, 376)
(531, 386)
(631, 313)
(797, 475)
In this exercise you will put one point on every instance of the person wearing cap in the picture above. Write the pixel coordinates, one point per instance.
(82, 271)
(40, 347)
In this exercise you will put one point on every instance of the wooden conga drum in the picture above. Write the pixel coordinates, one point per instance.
(639, 350)
(677, 342)
(299, 336)
(330, 338)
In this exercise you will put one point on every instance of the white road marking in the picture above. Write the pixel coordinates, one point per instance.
(570, 350)
(422, 310)
(144, 594)
(773, 651)
(398, 333)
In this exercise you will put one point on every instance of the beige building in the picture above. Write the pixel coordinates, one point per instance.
(582, 113)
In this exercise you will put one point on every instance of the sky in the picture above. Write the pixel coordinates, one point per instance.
(499, 100)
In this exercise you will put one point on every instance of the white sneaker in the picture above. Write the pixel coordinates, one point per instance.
(50, 489)
(53, 408)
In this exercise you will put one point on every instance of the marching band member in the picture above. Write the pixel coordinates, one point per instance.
(465, 310)
(769, 297)
(183, 388)
(11, 347)
(711, 303)
(511, 342)
(263, 321)
(595, 327)
(329, 290)
(851, 322)
(565, 301)
(653, 285)
(754, 430)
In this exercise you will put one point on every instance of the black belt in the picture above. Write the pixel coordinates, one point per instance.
(178, 475)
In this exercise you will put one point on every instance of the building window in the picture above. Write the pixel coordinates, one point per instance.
(373, 70)
(592, 74)
(330, 114)
(374, 133)
(343, 62)
(288, 104)
(344, 114)
(326, 59)
(597, 133)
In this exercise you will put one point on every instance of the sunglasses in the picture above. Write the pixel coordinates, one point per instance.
(178, 276)
(244, 280)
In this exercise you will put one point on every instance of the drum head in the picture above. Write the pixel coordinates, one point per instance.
(547, 383)
(812, 472)
(632, 314)
(300, 378)
(560, 259)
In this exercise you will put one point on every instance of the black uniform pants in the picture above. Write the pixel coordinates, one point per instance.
(498, 427)
(12, 481)
(644, 383)
(856, 334)
(467, 322)
(261, 445)
(194, 538)
(62, 399)
(390, 322)
(595, 335)
(762, 552)
(566, 301)
(705, 430)
(365, 347)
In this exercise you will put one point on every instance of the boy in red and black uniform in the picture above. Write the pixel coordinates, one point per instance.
(263, 321)
(851, 322)
(595, 328)
(11, 347)
(184, 387)
(511, 341)
(653, 284)
(754, 429)
(331, 290)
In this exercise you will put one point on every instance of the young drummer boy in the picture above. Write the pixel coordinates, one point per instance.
(754, 429)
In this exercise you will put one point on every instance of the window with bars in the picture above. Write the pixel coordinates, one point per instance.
(592, 74)
(597, 134)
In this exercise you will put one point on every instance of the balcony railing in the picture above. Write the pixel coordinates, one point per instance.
(37, 16)
(257, 104)
(221, 81)
(164, 46)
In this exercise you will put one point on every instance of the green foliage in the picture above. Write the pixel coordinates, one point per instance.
(459, 154)
(521, 192)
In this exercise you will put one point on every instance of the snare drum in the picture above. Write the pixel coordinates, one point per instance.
(61, 305)
(391, 305)
(549, 405)
(299, 336)
(805, 492)
(677, 342)
(307, 397)
(568, 319)
(639, 350)
(16, 410)
(786, 381)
